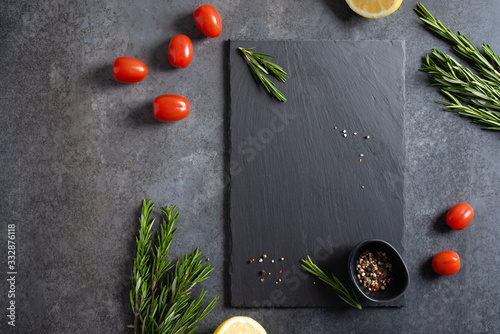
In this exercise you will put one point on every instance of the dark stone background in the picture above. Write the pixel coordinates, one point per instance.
(79, 152)
(296, 180)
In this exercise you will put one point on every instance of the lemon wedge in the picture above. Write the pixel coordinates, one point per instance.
(240, 325)
(374, 9)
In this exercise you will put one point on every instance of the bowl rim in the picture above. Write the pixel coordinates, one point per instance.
(352, 261)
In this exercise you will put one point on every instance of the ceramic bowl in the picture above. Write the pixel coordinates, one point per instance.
(400, 275)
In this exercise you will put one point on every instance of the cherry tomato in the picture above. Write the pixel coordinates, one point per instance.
(459, 216)
(180, 51)
(208, 20)
(129, 70)
(446, 263)
(169, 107)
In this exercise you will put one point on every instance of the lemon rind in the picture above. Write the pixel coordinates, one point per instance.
(383, 13)
(226, 324)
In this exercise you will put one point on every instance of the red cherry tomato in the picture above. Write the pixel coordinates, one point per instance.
(129, 70)
(459, 216)
(180, 51)
(208, 20)
(446, 263)
(169, 107)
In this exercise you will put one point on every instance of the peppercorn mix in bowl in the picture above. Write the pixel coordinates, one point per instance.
(378, 271)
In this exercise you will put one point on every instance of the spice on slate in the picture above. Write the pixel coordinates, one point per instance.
(374, 270)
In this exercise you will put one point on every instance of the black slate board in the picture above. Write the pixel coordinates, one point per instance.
(297, 184)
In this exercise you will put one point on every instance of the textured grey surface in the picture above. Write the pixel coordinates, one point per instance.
(79, 152)
(297, 178)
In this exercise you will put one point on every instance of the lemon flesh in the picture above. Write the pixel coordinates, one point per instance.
(240, 325)
(374, 9)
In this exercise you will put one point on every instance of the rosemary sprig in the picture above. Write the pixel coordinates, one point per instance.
(160, 292)
(347, 294)
(463, 46)
(469, 94)
(141, 273)
(456, 79)
(259, 62)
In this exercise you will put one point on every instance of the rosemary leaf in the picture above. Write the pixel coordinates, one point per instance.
(462, 45)
(470, 94)
(347, 294)
(160, 292)
(259, 62)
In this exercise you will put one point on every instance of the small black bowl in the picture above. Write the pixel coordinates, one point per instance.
(400, 275)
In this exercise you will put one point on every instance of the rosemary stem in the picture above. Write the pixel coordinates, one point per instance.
(159, 307)
(260, 66)
(470, 94)
(346, 293)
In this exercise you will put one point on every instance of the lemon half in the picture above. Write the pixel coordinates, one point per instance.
(240, 325)
(374, 9)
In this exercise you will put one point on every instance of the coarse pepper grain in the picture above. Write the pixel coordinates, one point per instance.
(374, 270)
